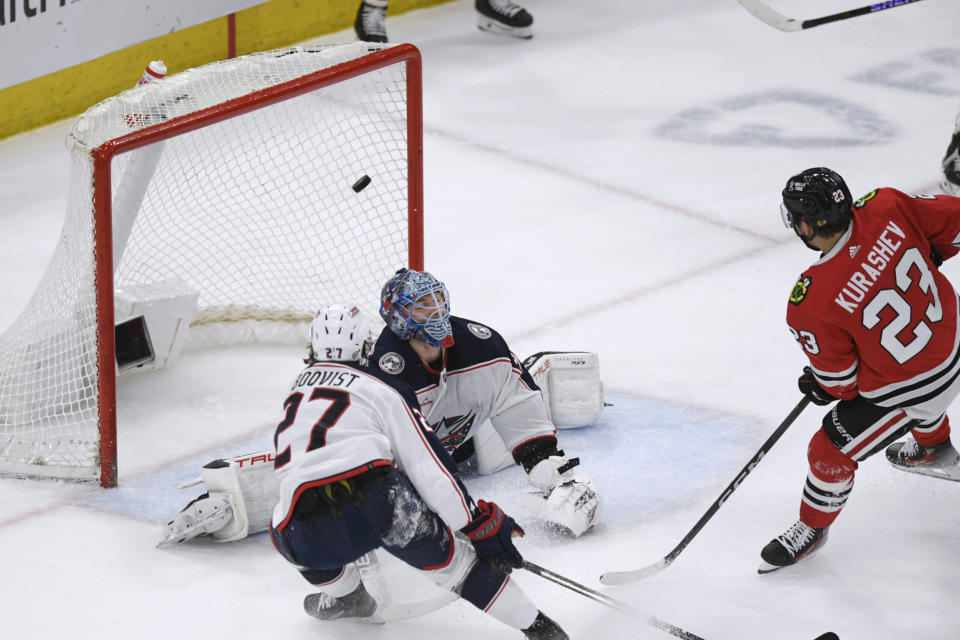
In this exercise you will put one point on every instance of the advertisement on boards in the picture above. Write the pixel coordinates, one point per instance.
(38, 37)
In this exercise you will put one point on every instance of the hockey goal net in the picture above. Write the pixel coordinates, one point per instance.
(265, 185)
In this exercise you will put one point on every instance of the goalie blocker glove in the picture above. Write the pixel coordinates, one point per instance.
(563, 498)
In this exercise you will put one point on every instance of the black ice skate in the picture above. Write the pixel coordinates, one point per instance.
(504, 18)
(543, 628)
(939, 461)
(357, 604)
(951, 166)
(796, 543)
(371, 24)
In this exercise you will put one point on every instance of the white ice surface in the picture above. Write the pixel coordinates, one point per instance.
(611, 185)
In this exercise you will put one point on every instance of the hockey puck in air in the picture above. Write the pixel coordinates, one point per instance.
(362, 183)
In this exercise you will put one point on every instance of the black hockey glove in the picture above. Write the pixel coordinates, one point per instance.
(812, 389)
(491, 531)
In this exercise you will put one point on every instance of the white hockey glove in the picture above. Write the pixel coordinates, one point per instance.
(573, 506)
(241, 494)
(564, 498)
(552, 471)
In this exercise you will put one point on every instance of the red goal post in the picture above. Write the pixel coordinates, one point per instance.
(257, 188)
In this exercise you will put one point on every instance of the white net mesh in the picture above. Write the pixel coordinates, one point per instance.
(256, 212)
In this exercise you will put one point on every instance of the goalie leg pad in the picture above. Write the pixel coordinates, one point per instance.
(204, 515)
(253, 488)
(247, 484)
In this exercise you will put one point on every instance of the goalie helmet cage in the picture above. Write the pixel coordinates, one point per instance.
(241, 181)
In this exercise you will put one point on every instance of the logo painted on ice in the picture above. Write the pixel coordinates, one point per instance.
(392, 362)
(763, 119)
(800, 290)
(479, 330)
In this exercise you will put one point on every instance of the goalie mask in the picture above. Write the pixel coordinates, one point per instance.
(338, 333)
(819, 197)
(416, 305)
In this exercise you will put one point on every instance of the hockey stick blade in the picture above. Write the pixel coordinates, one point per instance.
(779, 21)
(613, 603)
(623, 577)
(626, 577)
(951, 474)
(773, 18)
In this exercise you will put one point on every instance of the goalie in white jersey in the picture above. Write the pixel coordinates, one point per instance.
(360, 469)
(467, 380)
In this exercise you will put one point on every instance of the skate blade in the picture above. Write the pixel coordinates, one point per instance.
(766, 567)
(374, 619)
(951, 473)
(492, 26)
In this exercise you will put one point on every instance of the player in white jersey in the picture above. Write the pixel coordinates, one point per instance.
(493, 400)
(464, 375)
(360, 469)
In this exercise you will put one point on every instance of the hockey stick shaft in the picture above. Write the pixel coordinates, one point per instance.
(622, 577)
(783, 23)
(622, 607)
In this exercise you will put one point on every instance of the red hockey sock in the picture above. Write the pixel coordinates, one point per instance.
(933, 434)
(828, 484)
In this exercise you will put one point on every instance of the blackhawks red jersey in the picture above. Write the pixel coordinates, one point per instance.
(874, 314)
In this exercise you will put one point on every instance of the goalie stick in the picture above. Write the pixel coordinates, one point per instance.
(779, 21)
(623, 577)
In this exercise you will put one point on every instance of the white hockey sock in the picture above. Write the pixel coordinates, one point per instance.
(512, 606)
(346, 582)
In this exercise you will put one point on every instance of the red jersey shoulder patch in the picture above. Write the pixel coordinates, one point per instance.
(800, 290)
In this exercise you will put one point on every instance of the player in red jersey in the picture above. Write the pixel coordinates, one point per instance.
(878, 322)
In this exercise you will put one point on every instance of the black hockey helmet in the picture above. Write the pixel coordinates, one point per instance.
(820, 197)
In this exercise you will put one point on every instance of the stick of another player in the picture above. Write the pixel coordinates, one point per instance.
(623, 577)
(779, 21)
(622, 607)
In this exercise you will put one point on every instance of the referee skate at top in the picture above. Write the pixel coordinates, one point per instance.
(877, 274)
(500, 17)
